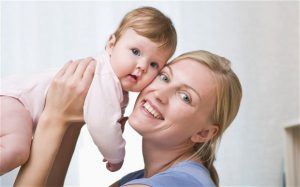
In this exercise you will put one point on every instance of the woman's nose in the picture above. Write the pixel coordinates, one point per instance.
(162, 95)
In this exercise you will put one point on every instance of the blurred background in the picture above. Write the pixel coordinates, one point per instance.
(261, 148)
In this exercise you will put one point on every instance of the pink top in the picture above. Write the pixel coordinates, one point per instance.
(102, 110)
(103, 107)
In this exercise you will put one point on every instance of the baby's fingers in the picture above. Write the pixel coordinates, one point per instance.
(122, 122)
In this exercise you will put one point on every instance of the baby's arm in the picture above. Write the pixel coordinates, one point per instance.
(101, 113)
(115, 167)
(111, 144)
(15, 134)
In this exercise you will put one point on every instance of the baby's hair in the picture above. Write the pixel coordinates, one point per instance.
(152, 24)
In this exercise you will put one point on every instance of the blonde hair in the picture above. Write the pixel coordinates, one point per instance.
(152, 24)
(228, 98)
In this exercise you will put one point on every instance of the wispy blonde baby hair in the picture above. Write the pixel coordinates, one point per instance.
(151, 23)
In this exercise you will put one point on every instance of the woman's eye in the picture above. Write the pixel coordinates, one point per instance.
(163, 77)
(185, 97)
(154, 65)
(136, 52)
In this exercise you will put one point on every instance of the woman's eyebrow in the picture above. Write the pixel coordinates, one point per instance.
(191, 88)
(184, 85)
(169, 69)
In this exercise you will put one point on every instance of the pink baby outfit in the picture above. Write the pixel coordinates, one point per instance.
(102, 110)
(104, 105)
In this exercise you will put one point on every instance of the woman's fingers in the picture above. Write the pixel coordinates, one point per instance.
(88, 75)
(71, 68)
(83, 64)
(75, 69)
(66, 95)
(63, 70)
(83, 75)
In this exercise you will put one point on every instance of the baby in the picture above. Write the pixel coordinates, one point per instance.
(134, 55)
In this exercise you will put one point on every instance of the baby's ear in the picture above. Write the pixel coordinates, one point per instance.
(205, 134)
(110, 44)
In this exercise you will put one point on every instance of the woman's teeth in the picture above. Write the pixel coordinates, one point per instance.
(152, 111)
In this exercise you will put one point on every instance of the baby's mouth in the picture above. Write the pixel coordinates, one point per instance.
(133, 76)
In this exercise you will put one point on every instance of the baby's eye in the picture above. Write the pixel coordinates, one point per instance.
(136, 51)
(185, 97)
(163, 77)
(154, 65)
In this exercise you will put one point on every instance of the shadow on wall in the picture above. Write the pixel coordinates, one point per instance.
(292, 155)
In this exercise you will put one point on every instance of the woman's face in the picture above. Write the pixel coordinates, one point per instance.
(177, 105)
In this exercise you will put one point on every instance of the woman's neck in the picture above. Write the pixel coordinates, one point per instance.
(158, 159)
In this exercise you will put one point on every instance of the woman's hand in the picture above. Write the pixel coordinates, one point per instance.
(66, 95)
(64, 105)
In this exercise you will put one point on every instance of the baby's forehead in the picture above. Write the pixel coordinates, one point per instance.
(166, 47)
(165, 53)
(162, 55)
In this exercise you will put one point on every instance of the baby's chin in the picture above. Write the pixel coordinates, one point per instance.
(131, 88)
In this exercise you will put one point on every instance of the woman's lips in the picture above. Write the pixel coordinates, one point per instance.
(151, 110)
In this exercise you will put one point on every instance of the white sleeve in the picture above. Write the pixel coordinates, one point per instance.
(102, 111)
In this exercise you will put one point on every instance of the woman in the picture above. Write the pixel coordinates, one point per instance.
(181, 116)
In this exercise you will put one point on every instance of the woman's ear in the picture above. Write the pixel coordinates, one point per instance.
(205, 134)
(110, 44)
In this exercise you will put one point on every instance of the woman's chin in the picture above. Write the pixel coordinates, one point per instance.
(135, 124)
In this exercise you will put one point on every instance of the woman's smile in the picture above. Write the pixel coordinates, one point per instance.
(150, 110)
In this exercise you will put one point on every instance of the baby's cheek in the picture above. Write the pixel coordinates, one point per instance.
(144, 84)
(150, 79)
(146, 80)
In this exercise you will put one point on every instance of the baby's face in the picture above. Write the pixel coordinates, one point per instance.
(136, 60)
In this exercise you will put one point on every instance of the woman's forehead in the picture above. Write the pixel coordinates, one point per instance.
(191, 68)
(194, 74)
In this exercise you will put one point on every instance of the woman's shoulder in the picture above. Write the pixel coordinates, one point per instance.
(131, 176)
(186, 173)
(191, 167)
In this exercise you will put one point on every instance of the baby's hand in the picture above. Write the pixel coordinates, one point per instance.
(122, 122)
(113, 167)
